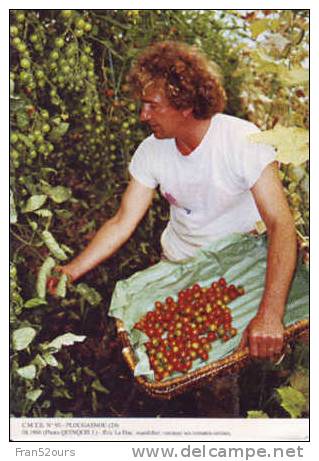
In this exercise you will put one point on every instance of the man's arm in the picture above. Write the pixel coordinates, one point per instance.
(265, 331)
(110, 237)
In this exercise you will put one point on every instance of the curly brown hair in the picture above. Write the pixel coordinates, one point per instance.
(190, 80)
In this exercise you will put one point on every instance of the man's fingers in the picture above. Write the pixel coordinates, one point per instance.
(51, 284)
(265, 346)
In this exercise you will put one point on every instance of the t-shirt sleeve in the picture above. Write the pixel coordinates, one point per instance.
(141, 166)
(248, 159)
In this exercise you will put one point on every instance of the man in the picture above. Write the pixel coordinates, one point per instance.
(216, 181)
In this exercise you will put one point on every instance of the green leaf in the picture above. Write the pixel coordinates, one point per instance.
(299, 380)
(44, 272)
(259, 26)
(50, 359)
(39, 362)
(256, 414)
(48, 170)
(33, 225)
(22, 337)
(67, 249)
(89, 294)
(26, 140)
(13, 211)
(64, 214)
(34, 302)
(11, 87)
(68, 339)
(292, 400)
(59, 131)
(53, 246)
(22, 120)
(294, 76)
(27, 372)
(35, 202)
(34, 394)
(98, 386)
(61, 286)
(292, 144)
(44, 213)
(59, 194)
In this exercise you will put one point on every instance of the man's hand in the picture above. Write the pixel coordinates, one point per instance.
(264, 336)
(53, 280)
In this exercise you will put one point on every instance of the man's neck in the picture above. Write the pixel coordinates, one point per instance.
(191, 135)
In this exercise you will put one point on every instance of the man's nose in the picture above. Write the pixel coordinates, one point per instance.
(145, 114)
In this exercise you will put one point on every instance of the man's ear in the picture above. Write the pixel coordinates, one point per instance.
(187, 112)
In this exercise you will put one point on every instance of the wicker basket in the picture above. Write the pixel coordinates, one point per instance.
(170, 388)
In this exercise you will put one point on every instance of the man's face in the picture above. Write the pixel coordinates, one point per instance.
(163, 119)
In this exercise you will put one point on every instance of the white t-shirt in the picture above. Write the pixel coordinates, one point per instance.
(209, 189)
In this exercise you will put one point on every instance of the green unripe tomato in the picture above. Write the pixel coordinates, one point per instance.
(41, 83)
(16, 41)
(16, 163)
(71, 49)
(80, 23)
(84, 59)
(59, 42)
(20, 16)
(42, 148)
(54, 55)
(33, 154)
(66, 69)
(53, 66)
(79, 33)
(38, 137)
(24, 76)
(34, 38)
(25, 63)
(132, 107)
(87, 49)
(87, 27)
(53, 93)
(14, 154)
(50, 147)
(14, 138)
(66, 14)
(46, 128)
(38, 47)
(21, 47)
(14, 31)
(44, 114)
(39, 74)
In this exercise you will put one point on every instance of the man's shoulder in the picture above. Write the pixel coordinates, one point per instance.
(155, 144)
(239, 125)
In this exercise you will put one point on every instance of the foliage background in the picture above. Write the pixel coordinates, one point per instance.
(73, 131)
